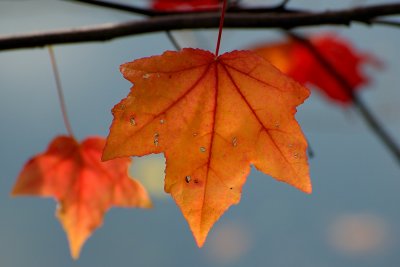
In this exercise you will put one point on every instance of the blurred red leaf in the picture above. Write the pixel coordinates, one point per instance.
(298, 61)
(184, 5)
(84, 186)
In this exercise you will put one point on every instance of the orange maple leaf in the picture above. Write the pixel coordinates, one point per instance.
(84, 186)
(298, 61)
(212, 117)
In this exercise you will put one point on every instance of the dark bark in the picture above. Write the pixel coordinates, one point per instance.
(283, 20)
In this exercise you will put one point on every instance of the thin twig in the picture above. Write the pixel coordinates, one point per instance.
(139, 10)
(121, 7)
(60, 91)
(130, 9)
(386, 22)
(368, 116)
(310, 150)
(283, 4)
(195, 21)
(172, 39)
(233, 7)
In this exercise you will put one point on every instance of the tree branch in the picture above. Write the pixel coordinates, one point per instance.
(368, 116)
(196, 21)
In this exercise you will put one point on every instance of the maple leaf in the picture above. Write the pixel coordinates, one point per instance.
(84, 186)
(212, 117)
(184, 5)
(295, 59)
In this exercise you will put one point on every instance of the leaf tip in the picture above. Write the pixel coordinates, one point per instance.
(308, 189)
(147, 203)
(200, 234)
(25, 186)
(305, 186)
(106, 155)
(75, 253)
(200, 239)
(15, 191)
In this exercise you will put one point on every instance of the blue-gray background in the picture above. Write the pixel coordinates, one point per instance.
(351, 219)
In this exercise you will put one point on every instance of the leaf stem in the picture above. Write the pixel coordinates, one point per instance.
(60, 91)
(368, 116)
(221, 26)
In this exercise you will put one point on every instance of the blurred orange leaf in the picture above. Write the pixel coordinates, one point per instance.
(295, 59)
(212, 117)
(84, 186)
